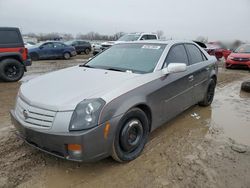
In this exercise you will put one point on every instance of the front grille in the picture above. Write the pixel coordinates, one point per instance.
(241, 59)
(33, 117)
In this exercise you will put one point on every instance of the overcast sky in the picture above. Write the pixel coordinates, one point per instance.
(182, 19)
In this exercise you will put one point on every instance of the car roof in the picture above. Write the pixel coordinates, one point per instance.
(158, 42)
(141, 33)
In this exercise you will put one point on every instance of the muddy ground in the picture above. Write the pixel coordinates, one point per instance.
(203, 147)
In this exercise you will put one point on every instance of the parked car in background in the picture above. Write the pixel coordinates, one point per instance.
(80, 46)
(96, 47)
(126, 38)
(109, 106)
(51, 50)
(215, 49)
(13, 55)
(239, 57)
(29, 44)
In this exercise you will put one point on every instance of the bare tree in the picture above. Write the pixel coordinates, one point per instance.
(160, 34)
(202, 39)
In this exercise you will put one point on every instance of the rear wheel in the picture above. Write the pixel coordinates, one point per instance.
(11, 70)
(87, 51)
(66, 55)
(131, 136)
(209, 96)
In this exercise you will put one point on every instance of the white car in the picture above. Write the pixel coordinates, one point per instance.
(126, 38)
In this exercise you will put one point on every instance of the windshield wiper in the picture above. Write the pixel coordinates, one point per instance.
(115, 69)
(84, 65)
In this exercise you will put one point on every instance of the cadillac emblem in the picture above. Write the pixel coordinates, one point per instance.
(25, 114)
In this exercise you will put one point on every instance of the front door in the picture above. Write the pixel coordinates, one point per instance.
(178, 89)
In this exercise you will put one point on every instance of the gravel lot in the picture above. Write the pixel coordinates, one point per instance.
(203, 147)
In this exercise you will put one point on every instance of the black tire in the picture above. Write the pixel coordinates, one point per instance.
(131, 136)
(209, 96)
(87, 51)
(245, 86)
(11, 70)
(66, 55)
(34, 56)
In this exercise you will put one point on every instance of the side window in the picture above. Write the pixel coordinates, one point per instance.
(203, 57)
(10, 37)
(144, 37)
(48, 45)
(58, 45)
(194, 53)
(152, 37)
(177, 54)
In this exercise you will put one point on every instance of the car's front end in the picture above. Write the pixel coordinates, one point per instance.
(65, 120)
(235, 60)
(50, 132)
(240, 57)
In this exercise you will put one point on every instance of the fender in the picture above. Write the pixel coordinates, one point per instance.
(12, 54)
(120, 106)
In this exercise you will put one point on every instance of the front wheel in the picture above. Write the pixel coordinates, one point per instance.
(209, 96)
(131, 136)
(11, 70)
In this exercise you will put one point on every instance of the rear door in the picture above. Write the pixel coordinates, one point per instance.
(201, 70)
(58, 49)
(178, 86)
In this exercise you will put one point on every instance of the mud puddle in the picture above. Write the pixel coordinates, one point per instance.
(193, 150)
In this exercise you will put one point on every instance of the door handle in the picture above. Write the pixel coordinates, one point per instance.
(190, 78)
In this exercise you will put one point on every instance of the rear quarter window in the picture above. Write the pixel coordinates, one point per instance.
(10, 37)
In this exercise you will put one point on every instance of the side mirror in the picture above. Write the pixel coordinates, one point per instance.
(41, 47)
(175, 68)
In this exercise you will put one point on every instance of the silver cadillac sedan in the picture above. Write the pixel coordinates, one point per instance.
(108, 106)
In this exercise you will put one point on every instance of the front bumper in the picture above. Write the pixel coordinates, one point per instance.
(93, 143)
(27, 62)
(233, 63)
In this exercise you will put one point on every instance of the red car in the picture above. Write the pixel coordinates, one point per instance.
(240, 57)
(216, 50)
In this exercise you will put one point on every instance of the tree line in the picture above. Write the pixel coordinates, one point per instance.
(88, 36)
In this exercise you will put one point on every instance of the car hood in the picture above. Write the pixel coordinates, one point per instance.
(63, 90)
(240, 55)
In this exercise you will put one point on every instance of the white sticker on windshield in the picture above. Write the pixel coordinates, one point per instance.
(153, 47)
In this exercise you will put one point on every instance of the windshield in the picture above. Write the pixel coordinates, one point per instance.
(137, 58)
(129, 38)
(68, 42)
(243, 49)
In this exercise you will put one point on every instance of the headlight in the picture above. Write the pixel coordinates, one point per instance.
(86, 114)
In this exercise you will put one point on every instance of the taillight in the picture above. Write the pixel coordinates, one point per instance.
(26, 52)
(21, 50)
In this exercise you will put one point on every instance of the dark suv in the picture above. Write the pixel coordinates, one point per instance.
(80, 46)
(13, 55)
